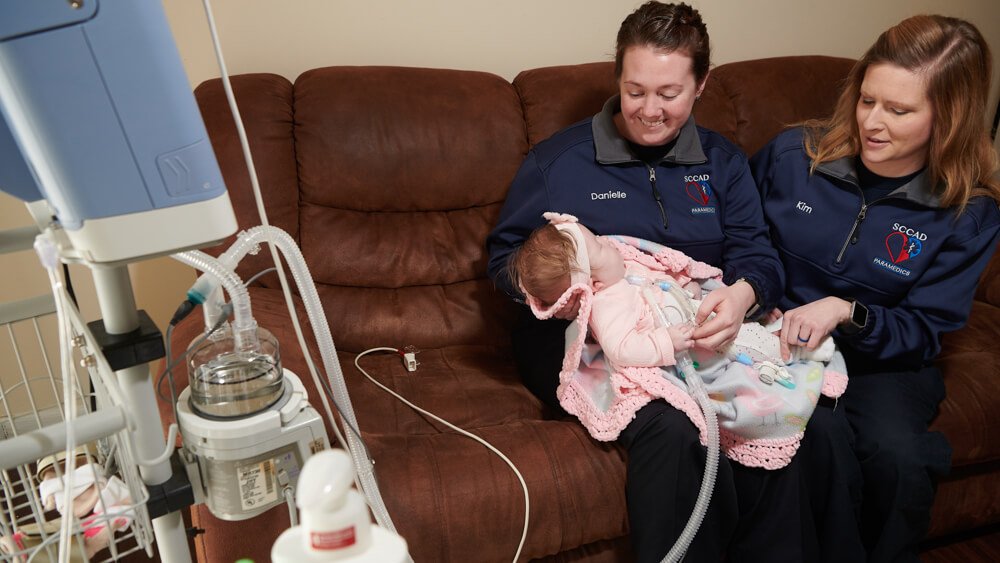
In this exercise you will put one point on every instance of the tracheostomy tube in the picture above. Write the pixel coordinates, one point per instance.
(696, 387)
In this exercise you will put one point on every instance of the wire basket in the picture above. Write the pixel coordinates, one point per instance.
(108, 514)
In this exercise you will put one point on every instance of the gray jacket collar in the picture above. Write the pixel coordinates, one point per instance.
(917, 190)
(612, 148)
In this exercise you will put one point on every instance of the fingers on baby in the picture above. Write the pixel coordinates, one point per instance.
(803, 332)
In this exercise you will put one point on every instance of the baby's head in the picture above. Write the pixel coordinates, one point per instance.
(543, 266)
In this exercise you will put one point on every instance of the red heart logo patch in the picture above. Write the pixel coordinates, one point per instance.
(897, 245)
(697, 192)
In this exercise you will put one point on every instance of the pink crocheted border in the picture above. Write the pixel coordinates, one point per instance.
(637, 386)
(834, 383)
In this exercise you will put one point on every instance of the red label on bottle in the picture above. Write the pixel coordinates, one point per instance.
(336, 539)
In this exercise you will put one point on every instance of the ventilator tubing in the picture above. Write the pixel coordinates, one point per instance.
(244, 325)
(250, 240)
(696, 388)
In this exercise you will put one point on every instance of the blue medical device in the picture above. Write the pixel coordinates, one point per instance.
(100, 122)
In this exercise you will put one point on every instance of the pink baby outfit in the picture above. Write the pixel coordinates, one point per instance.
(761, 423)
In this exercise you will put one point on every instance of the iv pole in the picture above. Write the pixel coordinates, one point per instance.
(120, 316)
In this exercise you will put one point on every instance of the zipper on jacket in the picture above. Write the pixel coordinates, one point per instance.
(656, 195)
(852, 236)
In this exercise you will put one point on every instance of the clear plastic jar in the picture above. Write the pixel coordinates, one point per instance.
(231, 384)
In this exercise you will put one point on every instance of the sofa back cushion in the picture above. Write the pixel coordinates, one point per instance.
(402, 172)
(265, 105)
(765, 96)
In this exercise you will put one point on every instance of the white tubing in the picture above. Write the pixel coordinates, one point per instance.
(244, 327)
(205, 290)
(307, 289)
(246, 241)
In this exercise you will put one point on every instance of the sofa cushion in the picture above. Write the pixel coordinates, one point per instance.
(556, 96)
(402, 172)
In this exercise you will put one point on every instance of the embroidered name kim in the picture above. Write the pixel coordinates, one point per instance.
(608, 195)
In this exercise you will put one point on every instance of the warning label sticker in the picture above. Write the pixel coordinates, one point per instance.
(257, 486)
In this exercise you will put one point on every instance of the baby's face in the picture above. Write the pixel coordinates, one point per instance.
(549, 296)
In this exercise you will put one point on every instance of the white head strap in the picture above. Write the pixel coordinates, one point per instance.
(579, 278)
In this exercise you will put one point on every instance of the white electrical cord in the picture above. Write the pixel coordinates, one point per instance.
(524, 486)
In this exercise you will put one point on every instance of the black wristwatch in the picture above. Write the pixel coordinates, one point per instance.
(858, 319)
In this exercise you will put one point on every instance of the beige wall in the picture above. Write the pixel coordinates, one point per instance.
(503, 37)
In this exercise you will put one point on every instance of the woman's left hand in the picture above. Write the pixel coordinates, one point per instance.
(730, 305)
(809, 324)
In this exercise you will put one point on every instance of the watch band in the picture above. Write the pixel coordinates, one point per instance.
(755, 308)
(857, 320)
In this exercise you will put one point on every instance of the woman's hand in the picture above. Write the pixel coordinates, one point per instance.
(730, 305)
(570, 310)
(809, 324)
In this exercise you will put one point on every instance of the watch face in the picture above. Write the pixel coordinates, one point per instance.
(859, 315)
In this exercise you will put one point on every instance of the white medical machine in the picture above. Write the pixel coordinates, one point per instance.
(101, 136)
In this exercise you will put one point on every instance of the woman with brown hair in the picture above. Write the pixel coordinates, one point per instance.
(627, 171)
(885, 216)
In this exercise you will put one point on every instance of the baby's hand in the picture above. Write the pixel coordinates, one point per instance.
(774, 315)
(569, 311)
(680, 336)
(694, 288)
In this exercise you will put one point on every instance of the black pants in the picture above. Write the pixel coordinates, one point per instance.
(831, 480)
(754, 514)
(889, 413)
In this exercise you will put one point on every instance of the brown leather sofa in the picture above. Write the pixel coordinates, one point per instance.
(390, 179)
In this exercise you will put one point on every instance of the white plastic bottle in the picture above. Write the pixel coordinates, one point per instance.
(333, 514)
(334, 521)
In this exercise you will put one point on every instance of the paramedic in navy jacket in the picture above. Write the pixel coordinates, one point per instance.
(641, 167)
(885, 216)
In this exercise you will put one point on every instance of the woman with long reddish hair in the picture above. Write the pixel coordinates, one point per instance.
(884, 217)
